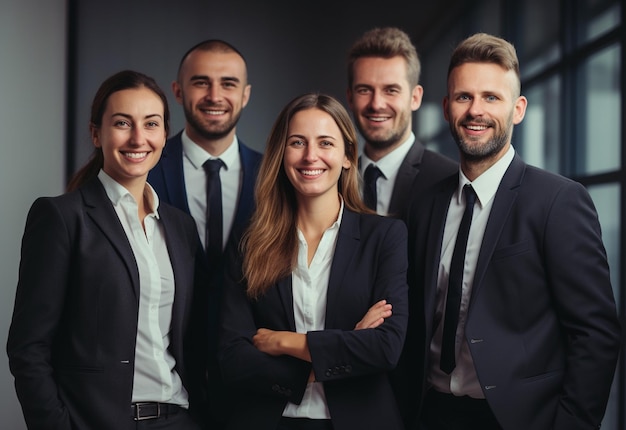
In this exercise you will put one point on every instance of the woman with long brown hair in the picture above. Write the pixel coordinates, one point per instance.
(308, 332)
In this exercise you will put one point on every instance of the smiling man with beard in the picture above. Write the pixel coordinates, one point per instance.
(515, 328)
(212, 87)
(383, 92)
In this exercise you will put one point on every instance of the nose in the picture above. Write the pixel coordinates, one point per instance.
(310, 153)
(476, 107)
(137, 136)
(377, 101)
(213, 92)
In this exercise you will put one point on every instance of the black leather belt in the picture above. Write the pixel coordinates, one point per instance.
(152, 410)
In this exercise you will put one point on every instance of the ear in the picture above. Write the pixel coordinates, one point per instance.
(520, 109)
(446, 100)
(246, 95)
(349, 98)
(94, 133)
(416, 97)
(346, 163)
(178, 92)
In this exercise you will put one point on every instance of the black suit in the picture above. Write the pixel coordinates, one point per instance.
(168, 180)
(71, 343)
(420, 169)
(369, 264)
(542, 327)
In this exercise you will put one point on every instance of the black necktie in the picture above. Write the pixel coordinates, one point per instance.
(214, 223)
(371, 175)
(455, 285)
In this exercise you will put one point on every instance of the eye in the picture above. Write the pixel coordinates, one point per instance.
(491, 98)
(200, 84)
(152, 124)
(121, 123)
(296, 143)
(326, 143)
(362, 91)
(463, 98)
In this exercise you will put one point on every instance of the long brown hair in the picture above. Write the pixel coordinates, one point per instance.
(270, 244)
(124, 80)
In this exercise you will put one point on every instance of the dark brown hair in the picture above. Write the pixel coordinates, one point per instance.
(124, 80)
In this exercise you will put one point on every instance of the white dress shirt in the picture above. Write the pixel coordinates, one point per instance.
(389, 166)
(155, 379)
(195, 183)
(463, 379)
(309, 289)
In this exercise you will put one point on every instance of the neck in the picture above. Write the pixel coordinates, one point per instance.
(375, 153)
(316, 215)
(473, 168)
(215, 147)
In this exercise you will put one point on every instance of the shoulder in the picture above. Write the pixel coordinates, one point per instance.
(377, 224)
(247, 151)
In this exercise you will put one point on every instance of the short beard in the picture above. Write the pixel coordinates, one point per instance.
(482, 152)
(380, 144)
(201, 130)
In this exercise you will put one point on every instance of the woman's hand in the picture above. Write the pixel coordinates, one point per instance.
(375, 315)
(282, 342)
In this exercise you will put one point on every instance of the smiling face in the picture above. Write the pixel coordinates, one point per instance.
(132, 135)
(314, 155)
(213, 90)
(481, 107)
(382, 102)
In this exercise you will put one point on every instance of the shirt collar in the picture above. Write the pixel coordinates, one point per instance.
(488, 182)
(390, 163)
(197, 156)
(117, 193)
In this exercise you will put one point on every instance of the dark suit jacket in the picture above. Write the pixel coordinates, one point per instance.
(369, 265)
(168, 180)
(542, 325)
(420, 169)
(71, 343)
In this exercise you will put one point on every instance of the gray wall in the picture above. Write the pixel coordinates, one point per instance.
(32, 116)
(289, 49)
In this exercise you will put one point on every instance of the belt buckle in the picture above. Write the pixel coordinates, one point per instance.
(138, 416)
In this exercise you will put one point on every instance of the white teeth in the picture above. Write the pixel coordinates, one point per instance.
(214, 112)
(136, 155)
(477, 127)
(377, 119)
(312, 172)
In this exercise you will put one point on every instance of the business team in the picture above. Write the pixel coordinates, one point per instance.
(509, 323)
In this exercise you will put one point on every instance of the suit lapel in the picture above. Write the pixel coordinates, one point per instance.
(172, 168)
(503, 202)
(434, 243)
(100, 209)
(285, 295)
(348, 239)
(407, 173)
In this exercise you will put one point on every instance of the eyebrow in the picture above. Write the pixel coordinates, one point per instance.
(316, 137)
(125, 115)
(222, 79)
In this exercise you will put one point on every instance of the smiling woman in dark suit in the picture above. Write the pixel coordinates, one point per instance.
(106, 282)
(308, 336)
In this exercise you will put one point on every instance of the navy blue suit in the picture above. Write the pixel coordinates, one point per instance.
(168, 180)
(369, 264)
(542, 326)
(71, 344)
